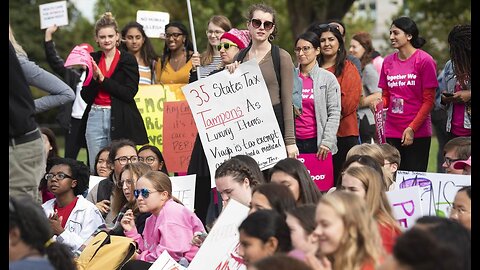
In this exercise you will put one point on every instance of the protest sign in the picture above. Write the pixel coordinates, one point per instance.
(380, 123)
(234, 115)
(220, 248)
(54, 13)
(166, 262)
(150, 102)
(406, 205)
(179, 133)
(183, 188)
(320, 170)
(79, 56)
(153, 22)
(437, 189)
(93, 181)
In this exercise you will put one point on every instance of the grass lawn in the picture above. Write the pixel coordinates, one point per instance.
(432, 159)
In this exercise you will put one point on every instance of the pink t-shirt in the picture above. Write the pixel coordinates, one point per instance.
(305, 124)
(458, 115)
(406, 80)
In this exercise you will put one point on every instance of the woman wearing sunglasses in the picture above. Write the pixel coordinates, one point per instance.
(262, 27)
(170, 227)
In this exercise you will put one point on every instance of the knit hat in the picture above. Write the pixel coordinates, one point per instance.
(460, 165)
(87, 47)
(240, 37)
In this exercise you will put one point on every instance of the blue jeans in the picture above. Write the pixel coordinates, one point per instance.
(97, 133)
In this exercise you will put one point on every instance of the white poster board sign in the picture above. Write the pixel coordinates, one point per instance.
(166, 262)
(406, 205)
(183, 188)
(234, 115)
(153, 22)
(54, 13)
(220, 248)
(437, 190)
(93, 181)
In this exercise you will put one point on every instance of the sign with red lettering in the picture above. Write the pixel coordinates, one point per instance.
(179, 132)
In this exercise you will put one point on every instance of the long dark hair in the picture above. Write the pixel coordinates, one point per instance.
(35, 231)
(188, 44)
(147, 52)
(158, 153)
(460, 41)
(341, 54)
(410, 27)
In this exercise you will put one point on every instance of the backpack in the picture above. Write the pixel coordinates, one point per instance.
(297, 81)
(106, 252)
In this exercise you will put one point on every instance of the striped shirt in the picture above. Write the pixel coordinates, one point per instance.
(214, 65)
(145, 74)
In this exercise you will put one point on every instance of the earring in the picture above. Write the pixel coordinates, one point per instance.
(271, 38)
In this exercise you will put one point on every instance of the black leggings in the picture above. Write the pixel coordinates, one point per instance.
(415, 156)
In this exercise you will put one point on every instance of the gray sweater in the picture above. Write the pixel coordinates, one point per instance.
(327, 98)
(60, 92)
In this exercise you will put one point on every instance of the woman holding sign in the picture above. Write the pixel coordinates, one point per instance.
(408, 80)
(111, 111)
(262, 27)
(316, 127)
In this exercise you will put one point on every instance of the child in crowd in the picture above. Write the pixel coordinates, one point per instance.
(301, 221)
(272, 196)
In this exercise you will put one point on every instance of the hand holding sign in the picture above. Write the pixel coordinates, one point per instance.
(80, 57)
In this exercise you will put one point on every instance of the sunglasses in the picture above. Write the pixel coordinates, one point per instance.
(226, 45)
(330, 27)
(267, 25)
(144, 192)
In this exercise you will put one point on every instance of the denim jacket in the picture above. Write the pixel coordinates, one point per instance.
(448, 83)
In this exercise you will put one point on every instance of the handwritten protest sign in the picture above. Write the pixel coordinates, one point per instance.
(150, 101)
(183, 188)
(437, 189)
(153, 22)
(220, 248)
(406, 205)
(321, 171)
(166, 262)
(234, 115)
(79, 56)
(54, 13)
(380, 123)
(179, 133)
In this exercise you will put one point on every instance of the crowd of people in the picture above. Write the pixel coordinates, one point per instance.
(53, 212)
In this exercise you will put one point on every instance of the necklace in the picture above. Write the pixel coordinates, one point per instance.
(177, 62)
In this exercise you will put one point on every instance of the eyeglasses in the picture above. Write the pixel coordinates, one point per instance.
(144, 192)
(216, 32)
(267, 25)
(226, 45)
(129, 182)
(174, 35)
(452, 210)
(124, 159)
(59, 176)
(449, 161)
(304, 49)
(148, 160)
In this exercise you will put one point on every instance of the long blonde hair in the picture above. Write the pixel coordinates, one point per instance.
(361, 242)
(375, 196)
(18, 48)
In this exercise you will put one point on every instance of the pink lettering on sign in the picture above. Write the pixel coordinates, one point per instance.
(321, 171)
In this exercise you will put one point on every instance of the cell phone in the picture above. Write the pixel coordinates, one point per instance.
(448, 94)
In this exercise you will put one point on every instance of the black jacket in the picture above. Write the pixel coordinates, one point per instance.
(70, 76)
(126, 120)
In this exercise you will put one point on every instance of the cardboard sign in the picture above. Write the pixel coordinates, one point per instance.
(54, 13)
(80, 57)
(321, 171)
(153, 22)
(234, 115)
(220, 248)
(438, 190)
(406, 205)
(150, 102)
(183, 188)
(179, 133)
